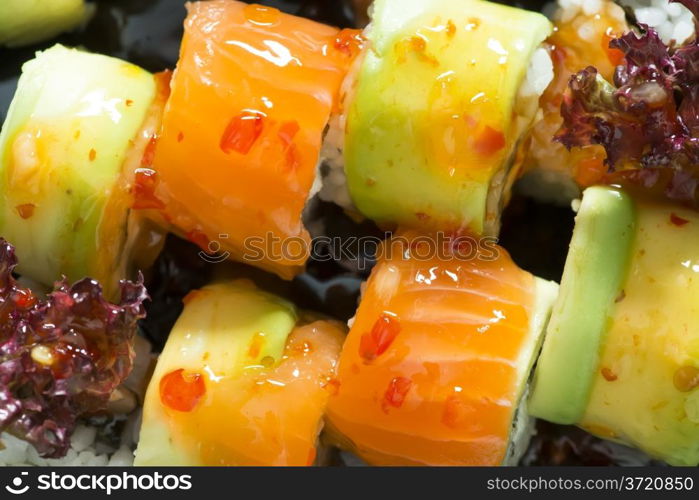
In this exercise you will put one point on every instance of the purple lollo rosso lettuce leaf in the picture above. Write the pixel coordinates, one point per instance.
(61, 358)
(649, 117)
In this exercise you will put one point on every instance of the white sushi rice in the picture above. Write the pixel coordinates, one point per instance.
(334, 183)
(673, 21)
(523, 429)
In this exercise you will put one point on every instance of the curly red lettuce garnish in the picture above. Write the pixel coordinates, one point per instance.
(61, 357)
(649, 117)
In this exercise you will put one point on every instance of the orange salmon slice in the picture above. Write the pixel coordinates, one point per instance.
(236, 158)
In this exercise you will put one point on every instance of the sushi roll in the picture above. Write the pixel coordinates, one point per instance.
(584, 30)
(243, 380)
(24, 22)
(620, 357)
(237, 156)
(435, 110)
(437, 361)
(74, 137)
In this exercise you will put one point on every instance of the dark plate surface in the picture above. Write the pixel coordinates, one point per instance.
(148, 32)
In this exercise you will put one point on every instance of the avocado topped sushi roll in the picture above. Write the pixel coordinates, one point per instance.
(243, 380)
(75, 135)
(436, 109)
(620, 357)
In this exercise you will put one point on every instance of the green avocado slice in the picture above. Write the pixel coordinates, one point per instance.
(593, 279)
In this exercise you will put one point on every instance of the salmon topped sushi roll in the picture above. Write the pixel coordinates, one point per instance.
(438, 357)
(236, 159)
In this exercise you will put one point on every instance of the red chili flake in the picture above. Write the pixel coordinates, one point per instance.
(608, 374)
(395, 394)
(143, 191)
(25, 210)
(92, 155)
(129, 102)
(489, 142)
(677, 220)
(149, 152)
(349, 42)
(199, 238)
(180, 137)
(180, 391)
(375, 342)
(24, 298)
(242, 132)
